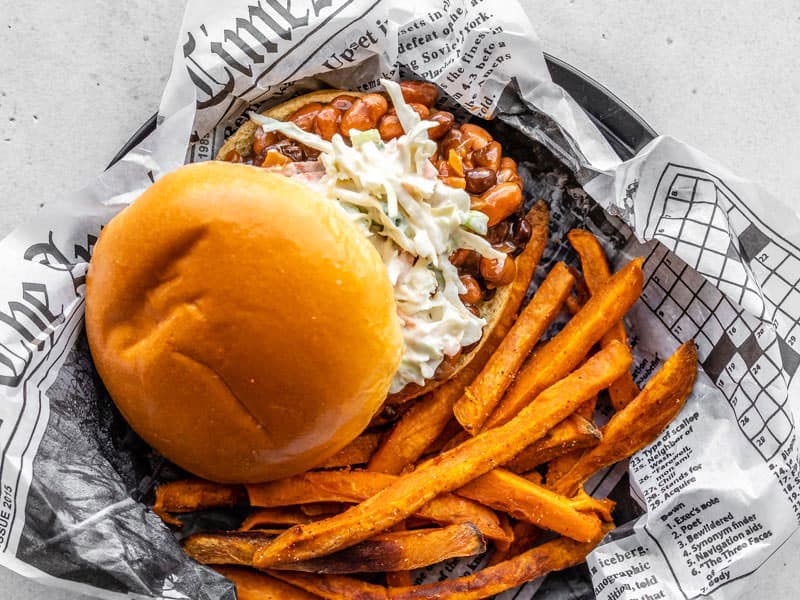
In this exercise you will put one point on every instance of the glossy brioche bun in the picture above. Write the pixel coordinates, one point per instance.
(243, 326)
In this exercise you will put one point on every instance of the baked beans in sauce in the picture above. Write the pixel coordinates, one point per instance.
(468, 158)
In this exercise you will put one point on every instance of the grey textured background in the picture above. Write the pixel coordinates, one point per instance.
(77, 78)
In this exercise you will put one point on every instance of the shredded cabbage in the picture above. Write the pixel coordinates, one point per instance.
(393, 195)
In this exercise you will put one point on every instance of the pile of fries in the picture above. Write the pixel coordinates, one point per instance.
(493, 460)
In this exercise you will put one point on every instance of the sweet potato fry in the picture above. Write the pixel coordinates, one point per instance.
(334, 587)
(525, 536)
(398, 551)
(640, 422)
(596, 272)
(481, 396)
(190, 495)
(567, 349)
(556, 555)
(226, 548)
(264, 517)
(450, 470)
(523, 499)
(403, 550)
(424, 421)
(252, 585)
(357, 452)
(356, 486)
(398, 578)
(572, 433)
(318, 486)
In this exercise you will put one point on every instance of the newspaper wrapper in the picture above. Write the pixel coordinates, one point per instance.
(708, 502)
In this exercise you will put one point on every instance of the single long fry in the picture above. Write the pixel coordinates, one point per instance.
(596, 272)
(450, 470)
(566, 350)
(190, 495)
(226, 548)
(572, 433)
(523, 499)
(356, 486)
(556, 555)
(424, 421)
(399, 551)
(252, 585)
(639, 423)
(396, 551)
(357, 452)
(333, 587)
(481, 396)
(264, 517)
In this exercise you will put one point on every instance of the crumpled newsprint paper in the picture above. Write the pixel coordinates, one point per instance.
(707, 503)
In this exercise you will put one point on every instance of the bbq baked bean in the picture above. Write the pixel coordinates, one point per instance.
(420, 92)
(343, 102)
(452, 140)
(473, 293)
(476, 136)
(498, 234)
(423, 111)
(364, 114)
(445, 122)
(467, 261)
(305, 116)
(496, 274)
(499, 202)
(520, 232)
(327, 122)
(479, 179)
(508, 163)
(488, 156)
(389, 127)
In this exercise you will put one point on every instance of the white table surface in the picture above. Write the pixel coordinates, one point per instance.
(78, 77)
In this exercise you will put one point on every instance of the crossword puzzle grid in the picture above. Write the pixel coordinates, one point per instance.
(740, 353)
(699, 220)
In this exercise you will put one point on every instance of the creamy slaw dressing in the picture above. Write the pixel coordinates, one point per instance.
(392, 192)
